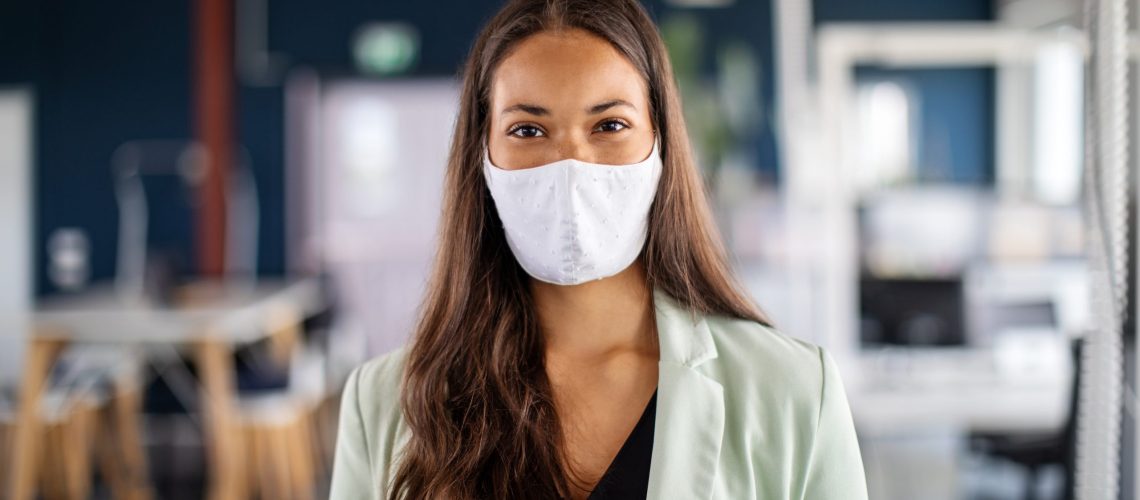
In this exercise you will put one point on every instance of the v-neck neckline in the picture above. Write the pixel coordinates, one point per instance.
(627, 475)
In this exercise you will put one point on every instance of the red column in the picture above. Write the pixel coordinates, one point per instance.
(213, 56)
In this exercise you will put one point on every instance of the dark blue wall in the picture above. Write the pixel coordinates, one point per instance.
(103, 73)
(903, 10)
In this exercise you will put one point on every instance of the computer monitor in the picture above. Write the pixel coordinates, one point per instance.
(911, 311)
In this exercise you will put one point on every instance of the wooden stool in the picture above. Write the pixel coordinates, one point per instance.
(67, 429)
(69, 432)
(280, 442)
(7, 448)
(73, 432)
(118, 444)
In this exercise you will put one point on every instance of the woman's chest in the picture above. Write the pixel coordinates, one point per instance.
(595, 429)
(597, 411)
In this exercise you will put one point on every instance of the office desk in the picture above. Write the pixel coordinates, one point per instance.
(209, 321)
(913, 412)
(955, 388)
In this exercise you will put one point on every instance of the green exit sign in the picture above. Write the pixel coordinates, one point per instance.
(386, 48)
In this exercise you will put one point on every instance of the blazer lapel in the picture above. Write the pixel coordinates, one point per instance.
(689, 424)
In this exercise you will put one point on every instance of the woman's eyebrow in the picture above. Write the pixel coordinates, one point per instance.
(526, 108)
(537, 110)
(598, 108)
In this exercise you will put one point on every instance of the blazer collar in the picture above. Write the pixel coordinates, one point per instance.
(689, 425)
(683, 335)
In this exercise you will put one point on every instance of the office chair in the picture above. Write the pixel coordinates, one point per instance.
(1034, 452)
(278, 382)
(138, 168)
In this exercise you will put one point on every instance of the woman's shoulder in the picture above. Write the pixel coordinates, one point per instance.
(769, 366)
(755, 346)
(789, 391)
(374, 388)
(377, 384)
(384, 371)
(371, 426)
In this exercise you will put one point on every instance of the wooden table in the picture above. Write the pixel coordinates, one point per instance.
(209, 322)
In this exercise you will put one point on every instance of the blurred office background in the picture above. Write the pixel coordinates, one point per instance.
(213, 209)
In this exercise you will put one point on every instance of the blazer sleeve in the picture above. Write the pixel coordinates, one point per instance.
(835, 466)
(351, 474)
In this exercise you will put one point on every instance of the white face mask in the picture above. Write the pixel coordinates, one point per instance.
(570, 221)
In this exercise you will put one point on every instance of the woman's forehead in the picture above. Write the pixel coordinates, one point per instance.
(568, 70)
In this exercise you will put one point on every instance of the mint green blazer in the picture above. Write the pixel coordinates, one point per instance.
(743, 411)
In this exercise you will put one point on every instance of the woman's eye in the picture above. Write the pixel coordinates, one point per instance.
(527, 131)
(612, 126)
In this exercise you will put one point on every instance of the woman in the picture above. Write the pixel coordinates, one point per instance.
(582, 336)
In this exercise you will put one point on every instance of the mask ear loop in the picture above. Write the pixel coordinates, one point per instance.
(656, 143)
(487, 153)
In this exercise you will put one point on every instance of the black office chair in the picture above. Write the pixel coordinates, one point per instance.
(1035, 451)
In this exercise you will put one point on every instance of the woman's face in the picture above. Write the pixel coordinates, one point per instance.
(568, 94)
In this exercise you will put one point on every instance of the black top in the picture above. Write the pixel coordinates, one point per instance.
(628, 475)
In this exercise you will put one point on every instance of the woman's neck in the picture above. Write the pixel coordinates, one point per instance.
(596, 320)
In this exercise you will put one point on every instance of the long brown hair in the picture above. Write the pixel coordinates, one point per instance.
(475, 393)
